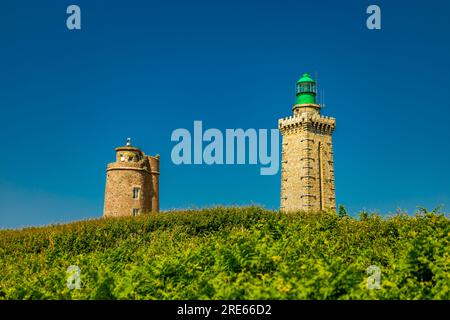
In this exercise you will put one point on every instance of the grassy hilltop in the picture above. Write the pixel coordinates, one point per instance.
(230, 253)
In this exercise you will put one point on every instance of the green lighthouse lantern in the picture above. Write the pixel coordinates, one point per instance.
(306, 90)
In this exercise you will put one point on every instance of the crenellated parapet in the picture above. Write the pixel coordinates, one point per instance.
(307, 121)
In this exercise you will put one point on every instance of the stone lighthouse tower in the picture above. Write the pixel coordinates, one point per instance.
(307, 168)
(132, 183)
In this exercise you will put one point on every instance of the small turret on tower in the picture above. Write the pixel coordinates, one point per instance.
(154, 171)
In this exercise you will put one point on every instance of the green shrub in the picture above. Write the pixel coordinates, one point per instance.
(231, 253)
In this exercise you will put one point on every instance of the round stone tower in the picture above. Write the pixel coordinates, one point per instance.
(130, 186)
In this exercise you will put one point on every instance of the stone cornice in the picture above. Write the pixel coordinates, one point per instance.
(316, 121)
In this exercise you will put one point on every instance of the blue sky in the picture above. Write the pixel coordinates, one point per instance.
(141, 69)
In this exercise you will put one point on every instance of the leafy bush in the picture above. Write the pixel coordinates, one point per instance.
(231, 253)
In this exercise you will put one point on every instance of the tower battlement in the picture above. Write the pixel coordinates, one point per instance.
(298, 121)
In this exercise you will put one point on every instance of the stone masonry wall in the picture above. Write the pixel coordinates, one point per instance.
(154, 170)
(120, 180)
(307, 168)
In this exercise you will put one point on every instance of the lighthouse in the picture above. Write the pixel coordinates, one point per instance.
(307, 167)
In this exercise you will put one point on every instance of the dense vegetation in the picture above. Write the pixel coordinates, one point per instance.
(231, 253)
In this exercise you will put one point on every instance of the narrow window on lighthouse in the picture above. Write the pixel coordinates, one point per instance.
(136, 192)
(135, 212)
(122, 157)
